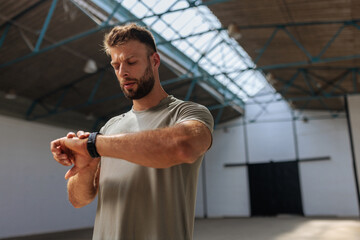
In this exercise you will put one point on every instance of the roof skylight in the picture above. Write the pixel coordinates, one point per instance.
(196, 32)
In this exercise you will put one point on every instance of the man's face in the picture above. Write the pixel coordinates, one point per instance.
(132, 66)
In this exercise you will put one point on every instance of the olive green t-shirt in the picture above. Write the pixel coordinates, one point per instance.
(143, 203)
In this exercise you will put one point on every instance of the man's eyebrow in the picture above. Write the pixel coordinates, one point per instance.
(127, 58)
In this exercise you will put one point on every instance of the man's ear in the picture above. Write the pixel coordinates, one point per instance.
(156, 59)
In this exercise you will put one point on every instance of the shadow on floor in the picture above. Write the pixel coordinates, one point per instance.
(255, 228)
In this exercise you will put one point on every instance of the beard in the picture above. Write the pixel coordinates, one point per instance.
(145, 85)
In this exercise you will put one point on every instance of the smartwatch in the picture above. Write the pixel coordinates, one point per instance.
(91, 147)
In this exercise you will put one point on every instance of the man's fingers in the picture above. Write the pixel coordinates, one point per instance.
(55, 146)
(63, 159)
(81, 134)
(70, 135)
(72, 172)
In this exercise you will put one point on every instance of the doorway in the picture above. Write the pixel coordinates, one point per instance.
(275, 189)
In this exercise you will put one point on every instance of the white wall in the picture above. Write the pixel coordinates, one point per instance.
(33, 196)
(227, 188)
(328, 187)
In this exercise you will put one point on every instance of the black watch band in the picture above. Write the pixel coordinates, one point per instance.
(91, 147)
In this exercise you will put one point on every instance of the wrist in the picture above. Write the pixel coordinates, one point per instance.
(91, 145)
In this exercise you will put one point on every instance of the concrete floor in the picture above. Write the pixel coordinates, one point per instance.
(256, 228)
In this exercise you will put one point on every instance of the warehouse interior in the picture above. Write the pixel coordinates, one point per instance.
(281, 79)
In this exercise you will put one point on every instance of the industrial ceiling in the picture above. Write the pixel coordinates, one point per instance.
(306, 49)
(309, 50)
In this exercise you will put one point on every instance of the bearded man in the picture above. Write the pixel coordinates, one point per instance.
(143, 164)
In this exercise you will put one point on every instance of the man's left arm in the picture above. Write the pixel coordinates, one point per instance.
(184, 142)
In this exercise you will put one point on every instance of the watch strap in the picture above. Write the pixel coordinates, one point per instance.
(91, 147)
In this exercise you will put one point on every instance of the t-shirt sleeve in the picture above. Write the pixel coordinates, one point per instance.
(197, 112)
(104, 128)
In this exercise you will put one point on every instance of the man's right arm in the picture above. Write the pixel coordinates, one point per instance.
(83, 187)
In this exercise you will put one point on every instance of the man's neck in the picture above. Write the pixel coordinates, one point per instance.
(149, 101)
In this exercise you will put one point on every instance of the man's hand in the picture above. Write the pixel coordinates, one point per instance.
(72, 150)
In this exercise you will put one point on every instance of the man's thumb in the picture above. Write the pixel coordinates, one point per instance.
(72, 172)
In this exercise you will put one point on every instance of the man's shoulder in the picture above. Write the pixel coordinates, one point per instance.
(114, 120)
(183, 103)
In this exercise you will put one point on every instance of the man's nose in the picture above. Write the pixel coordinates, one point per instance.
(123, 72)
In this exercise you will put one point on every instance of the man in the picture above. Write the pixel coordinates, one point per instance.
(147, 174)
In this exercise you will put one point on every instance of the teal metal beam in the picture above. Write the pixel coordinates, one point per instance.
(306, 77)
(337, 83)
(289, 83)
(4, 34)
(218, 116)
(328, 44)
(302, 48)
(126, 18)
(45, 26)
(263, 49)
(190, 90)
(267, 67)
(96, 86)
(106, 22)
(296, 24)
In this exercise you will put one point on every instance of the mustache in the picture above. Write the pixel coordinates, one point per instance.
(130, 79)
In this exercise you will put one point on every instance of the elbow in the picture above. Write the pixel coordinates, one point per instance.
(78, 204)
(186, 154)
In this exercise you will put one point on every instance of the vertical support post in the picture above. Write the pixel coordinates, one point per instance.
(352, 149)
(297, 157)
(45, 26)
(247, 160)
(354, 78)
(218, 116)
(203, 168)
(296, 145)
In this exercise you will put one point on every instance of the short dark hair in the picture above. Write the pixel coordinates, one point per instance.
(122, 34)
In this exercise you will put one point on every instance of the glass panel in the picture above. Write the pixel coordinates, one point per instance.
(150, 21)
(139, 10)
(171, 17)
(162, 6)
(159, 26)
(168, 34)
(129, 3)
(222, 54)
(180, 4)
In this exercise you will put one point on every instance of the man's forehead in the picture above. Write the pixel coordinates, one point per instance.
(131, 46)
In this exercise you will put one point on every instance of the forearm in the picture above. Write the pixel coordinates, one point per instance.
(83, 187)
(159, 148)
